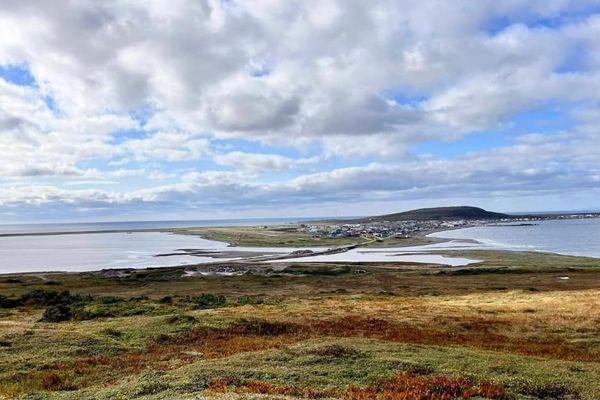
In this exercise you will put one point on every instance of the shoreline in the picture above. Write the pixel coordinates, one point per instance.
(89, 232)
(516, 218)
(44, 275)
(242, 255)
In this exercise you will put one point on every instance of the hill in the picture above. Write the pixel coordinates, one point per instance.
(437, 213)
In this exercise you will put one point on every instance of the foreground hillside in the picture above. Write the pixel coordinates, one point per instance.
(513, 327)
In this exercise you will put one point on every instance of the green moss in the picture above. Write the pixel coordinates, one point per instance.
(115, 317)
(208, 300)
(340, 362)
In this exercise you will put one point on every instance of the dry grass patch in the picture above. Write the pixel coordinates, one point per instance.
(399, 387)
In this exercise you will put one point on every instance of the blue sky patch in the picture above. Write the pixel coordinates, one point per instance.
(18, 74)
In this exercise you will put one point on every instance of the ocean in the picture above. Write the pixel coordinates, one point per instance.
(132, 225)
(95, 251)
(577, 237)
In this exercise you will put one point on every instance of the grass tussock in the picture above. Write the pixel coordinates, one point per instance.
(307, 331)
(399, 387)
(170, 351)
(479, 335)
(166, 352)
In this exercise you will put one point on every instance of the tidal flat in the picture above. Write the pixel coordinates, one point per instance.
(510, 327)
(89, 251)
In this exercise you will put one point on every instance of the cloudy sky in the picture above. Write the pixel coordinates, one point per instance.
(152, 109)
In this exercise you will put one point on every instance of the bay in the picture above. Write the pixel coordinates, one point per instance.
(577, 237)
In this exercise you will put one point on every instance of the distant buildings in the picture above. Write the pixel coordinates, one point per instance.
(382, 229)
(385, 229)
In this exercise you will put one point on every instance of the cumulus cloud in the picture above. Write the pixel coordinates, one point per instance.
(298, 102)
(327, 61)
(528, 168)
(168, 146)
(254, 162)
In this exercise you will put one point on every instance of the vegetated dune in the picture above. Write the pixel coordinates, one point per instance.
(437, 213)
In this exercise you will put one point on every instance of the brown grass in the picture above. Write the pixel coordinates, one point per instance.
(399, 387)
(479, 335)
(561, 325)
(169, 352)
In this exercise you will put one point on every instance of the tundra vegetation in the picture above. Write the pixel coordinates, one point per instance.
(512, 327)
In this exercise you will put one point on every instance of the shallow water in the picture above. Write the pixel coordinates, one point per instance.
(86, 252)
(132, 225)
(95, 251)
(578, 237)
(399, 254)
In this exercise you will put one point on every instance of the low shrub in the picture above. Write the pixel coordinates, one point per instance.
(420, 369)
(250, 300)
(263, 328)
(135, 311)
(8, 302)
(548, 391)
(209, 300)
(163, 339)
(112, 332)
(43, 298)
(166, 300)
(181, 319)
(336, 351)
(109, 300)
(401, 386)
(40, 297)
(58, 313)
(55, 382)
(89, 312)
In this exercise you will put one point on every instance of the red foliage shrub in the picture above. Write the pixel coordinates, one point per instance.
(399, 387)
(478, 335)
(491, 390)
(55, 382)
(256, 335)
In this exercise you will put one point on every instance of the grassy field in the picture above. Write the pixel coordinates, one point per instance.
(289, 236)
(271, 236)
(512, 327)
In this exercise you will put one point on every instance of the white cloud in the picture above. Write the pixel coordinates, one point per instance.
(531, 167)
(328, 62)
(168, 146)
(35, 141)
(253, 162)
(198, 83)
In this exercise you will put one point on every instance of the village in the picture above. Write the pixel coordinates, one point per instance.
(385, 229)
(403, 229)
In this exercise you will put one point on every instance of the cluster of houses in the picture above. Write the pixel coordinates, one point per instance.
(387, 229)
(382, 229)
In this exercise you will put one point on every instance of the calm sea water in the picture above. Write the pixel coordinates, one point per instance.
(94, 251)
(108, 226)
(579, 237)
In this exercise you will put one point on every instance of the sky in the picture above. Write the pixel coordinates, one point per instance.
(212, 109)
